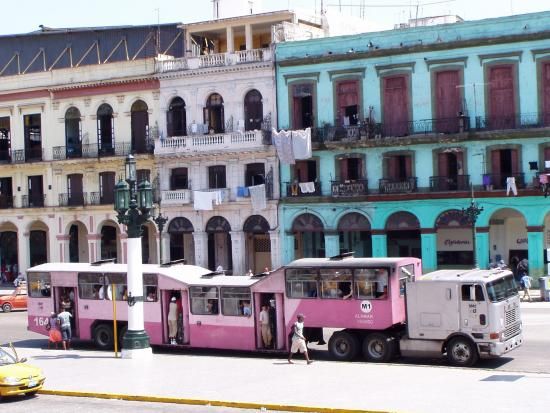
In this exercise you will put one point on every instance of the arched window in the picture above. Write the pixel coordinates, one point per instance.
(105, 130)
(140, 126)
(176, 121)
(73, 133)
(213, 113)
(253, 110)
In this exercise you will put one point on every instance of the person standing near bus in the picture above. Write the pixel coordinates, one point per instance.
(65, 323)
(54, 335)
(265, 326)
(172, 320)
(298, 340)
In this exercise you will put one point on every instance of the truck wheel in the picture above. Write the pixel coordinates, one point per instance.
(378, 347)
(343, 346)
(462, 352)
(103, 337)
(6, 307)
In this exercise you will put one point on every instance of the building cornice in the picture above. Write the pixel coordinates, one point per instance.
(215, 70)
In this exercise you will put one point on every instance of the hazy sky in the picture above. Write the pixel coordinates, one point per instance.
(26, 15)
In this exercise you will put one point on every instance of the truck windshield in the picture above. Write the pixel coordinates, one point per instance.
(501, 289)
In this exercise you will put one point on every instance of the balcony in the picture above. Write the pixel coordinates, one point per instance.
(73, 199)
(95, 198)
(27, 155)
(517, 121)
(498, 181)
(6, 201)
(303, 189)
(33, 201)
(397, 186)
(176, 197)
(234, 141)
(349, 188)
(449, 183)
(214, 60)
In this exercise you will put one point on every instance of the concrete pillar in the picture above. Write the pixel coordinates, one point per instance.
(54, 253)
(238, 251)
(248, 36)
(165, 241)
(428, 239)
(379, 243)
(62, 245)
(188, 44)
(93, 247)
(274, 239)
(482, 246)
(332, 243)
(535, 240)
(230, 39)
(201, 248)
(288, 248)
(23, 251)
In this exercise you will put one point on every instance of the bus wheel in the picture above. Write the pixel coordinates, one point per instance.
(343, 346)
(378, 347)
(103, 337)
(462, 352)
(6, 307)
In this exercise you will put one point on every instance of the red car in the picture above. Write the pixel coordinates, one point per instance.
(17, 300)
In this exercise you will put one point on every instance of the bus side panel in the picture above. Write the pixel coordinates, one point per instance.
(207, 333)
(38, 313)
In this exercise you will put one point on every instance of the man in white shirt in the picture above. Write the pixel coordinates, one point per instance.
(298, 340)
(265, 327)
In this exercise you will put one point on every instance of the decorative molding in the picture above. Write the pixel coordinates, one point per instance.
(382, 68)
(461, 60)
(536, 52)
(506, 55)
(120, 98)
(55, 105)
(8, 108)
(304, 76)
(87, 102)
(156, 95)
(360, 71)
(22, 106)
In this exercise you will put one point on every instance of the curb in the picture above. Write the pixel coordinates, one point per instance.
(202, 402)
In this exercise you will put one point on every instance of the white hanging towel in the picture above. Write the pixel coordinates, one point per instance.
(202, 201)
(217, 197)
(301, 143)
(307, 187)
(511, 185)
(283, 144)
(257, 197)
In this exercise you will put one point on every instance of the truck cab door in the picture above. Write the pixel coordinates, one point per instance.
(473, 308)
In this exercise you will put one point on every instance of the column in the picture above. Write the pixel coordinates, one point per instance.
(94, 247)
(165, 241)
(188, 42)
(274, 239)
(535, 245)
(332, 243)
(237, 252)
(288, 247)
(62, 245)
(54, 253)
(379, 243)
(248, 36)
(428, 238)
(230, 39)
(482, 246)
(23, 251)
(201, 248)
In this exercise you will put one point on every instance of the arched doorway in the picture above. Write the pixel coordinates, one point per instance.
(73, 133)
(309, 237)
(9, 262)
(182, 245)
(454, 240)
(508, 237)
(105, 130)
(139, 126)
(354, 232)
(176, 120)
(109, 246)
(258, 243)
(38, 243)
(78, 243)
(219, 244)
(253, 110)
(403, 235)
(213, 113)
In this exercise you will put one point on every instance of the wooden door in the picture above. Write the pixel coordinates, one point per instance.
(396, 106)
(348, 102)
(253, 111)
(546, 93)
(447, 101)
(106, 188)
(139, 125)
(36, 191)
(74, 189)
(501, 97)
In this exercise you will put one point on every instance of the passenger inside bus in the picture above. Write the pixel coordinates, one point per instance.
(381, 283)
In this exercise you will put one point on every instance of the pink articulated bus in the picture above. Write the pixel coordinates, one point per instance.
(360, 302)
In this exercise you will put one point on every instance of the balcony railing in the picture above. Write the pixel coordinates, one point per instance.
(349, 188)
(73, 199)
(6, 201)
(517, 121)
(27, 155)
(397, 186)
(449, 183)
(236, 141)
(34, 201)
(176, 197)
(95, 198)
(214, 60)
(303, 189)
(498, 181)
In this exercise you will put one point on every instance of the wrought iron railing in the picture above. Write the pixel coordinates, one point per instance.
(449, 183)
(73, 199)
(299, 189)
(397, 186)
(499, 181)
(6, 201)
(33, 201)
(27, 155)
(95, 198)
(349, 188)
(516, 121)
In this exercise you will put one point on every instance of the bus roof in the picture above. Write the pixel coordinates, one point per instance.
(465, 275)
(346, 262)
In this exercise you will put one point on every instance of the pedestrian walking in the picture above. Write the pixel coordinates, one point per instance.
(54, 335)
(298, 339)
(526, 281)
(65, 324)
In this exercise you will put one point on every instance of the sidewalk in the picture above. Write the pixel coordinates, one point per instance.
(253, 382)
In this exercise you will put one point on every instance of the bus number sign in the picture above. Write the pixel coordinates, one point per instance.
(366, 306)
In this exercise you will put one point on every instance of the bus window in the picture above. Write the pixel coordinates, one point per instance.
(39, 284)
(121, 289)
(472, 295)
(91, 286)
(336, 283)
(150, 285)
(236, 301)
(204, 300)
(365, 283)
(406, 273)
(301, 283)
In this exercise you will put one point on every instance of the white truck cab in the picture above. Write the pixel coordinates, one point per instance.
(466, 314)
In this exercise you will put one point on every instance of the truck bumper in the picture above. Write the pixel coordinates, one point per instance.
(499, 348)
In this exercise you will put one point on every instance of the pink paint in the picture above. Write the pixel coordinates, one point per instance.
(219, 336)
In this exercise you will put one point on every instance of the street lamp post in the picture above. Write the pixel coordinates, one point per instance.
(470, 214)
(133, 206)
(160, 221)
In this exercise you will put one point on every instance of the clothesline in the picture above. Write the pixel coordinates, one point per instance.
(292, 145)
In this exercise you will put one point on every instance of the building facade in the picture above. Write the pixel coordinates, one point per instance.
(408, 126)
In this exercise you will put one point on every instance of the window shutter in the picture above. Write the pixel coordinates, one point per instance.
(170, 123)
(514, 158)
(495, 161)
(443, 164)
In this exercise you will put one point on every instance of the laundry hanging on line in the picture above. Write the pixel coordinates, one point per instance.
(292, 145)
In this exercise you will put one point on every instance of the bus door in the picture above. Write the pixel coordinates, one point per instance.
(175, 319)
(269, 313)
(66, 298)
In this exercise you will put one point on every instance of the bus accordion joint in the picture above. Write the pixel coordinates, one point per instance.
(341, 256)
(133, 299)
